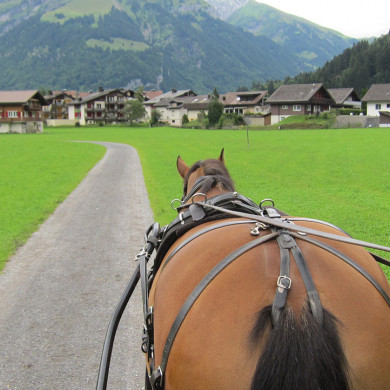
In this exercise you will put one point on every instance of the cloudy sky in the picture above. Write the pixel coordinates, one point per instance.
(356, 19)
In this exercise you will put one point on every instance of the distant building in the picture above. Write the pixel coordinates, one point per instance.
(21, 111)
(345, 98)
(299, 99)
(377, 99)
(105, 106)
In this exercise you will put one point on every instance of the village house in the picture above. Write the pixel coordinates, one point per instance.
(345, 98)
(105, 106)
(55, 113)
(299, 99)
(246, 102)
(377, 99)
(169, 105)
(21, 111)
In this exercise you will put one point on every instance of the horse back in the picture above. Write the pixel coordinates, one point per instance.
(215, 348)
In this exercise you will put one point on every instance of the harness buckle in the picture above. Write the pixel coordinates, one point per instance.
(256, 230)
(284, 282)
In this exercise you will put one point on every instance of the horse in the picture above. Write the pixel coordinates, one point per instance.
(244, 305)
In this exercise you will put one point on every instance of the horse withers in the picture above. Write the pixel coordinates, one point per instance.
(246, 305)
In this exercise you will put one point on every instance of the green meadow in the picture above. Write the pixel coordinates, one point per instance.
(340, 176)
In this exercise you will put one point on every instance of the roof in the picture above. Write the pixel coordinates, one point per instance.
(95, 96)
(170, 95)
(385, 113)
(377, 92)
(294, 93)
(242, 98)
(20, 97)
(339, 95)
(152, 94)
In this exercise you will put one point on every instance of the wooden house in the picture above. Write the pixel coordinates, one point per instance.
(345, 98)
(299, 99)
(21, 111)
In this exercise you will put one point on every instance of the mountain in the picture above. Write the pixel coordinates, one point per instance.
(162, 44)
(312, 43)
(224, 8)
(360, 66)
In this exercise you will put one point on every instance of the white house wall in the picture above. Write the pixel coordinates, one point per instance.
(374, 108)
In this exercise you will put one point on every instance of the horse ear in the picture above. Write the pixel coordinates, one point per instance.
(182, 167)
(221, 158)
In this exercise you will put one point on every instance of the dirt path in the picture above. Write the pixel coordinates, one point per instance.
(58, 292)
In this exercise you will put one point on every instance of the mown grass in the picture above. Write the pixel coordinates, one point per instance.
(37, 173)
(341, 176)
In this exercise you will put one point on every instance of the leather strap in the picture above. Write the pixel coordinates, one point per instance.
(200, 288)
(200, 233)
(296, 228)
(284, 281)
(348, 260)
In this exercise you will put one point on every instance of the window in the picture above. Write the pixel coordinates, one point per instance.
(296, 107)
(308, 107)
(378, 106)
(12, 114)
(285, 107)
(388, 105)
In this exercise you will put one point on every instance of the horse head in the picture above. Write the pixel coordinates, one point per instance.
(209, 177)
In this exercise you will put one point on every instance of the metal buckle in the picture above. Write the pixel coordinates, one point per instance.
(199, 194)
(176, 200)
(282, 279)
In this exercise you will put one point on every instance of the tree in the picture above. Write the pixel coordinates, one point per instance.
(215, 108)
(139, 94)
(155, 117)
(133, 110)
(215, 112)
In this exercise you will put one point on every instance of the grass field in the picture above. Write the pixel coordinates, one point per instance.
(341, 176)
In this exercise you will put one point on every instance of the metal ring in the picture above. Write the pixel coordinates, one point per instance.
(266, 200)
(199, 194)
(176, 200)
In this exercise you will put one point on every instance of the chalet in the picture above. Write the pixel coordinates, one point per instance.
(104, 106)
(57, 107)
(166, 103)
(253, 102)
(345, 98)
(21, 111)
(377, 99)
(299, 99)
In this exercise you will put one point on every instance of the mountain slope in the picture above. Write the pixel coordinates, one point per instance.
(312, 43)
(360, 66)
(158, 43)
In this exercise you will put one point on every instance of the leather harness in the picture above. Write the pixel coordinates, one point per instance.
(283, 230)
(226, 205)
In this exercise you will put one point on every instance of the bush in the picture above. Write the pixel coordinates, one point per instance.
(184, 120)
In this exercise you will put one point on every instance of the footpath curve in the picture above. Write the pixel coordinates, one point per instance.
(58, 292)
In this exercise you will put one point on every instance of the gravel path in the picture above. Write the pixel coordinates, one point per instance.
(58, 292)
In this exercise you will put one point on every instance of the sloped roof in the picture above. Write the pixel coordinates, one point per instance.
(339, 95)
(19, 97)
(294, 93)
(242, 98)
(152, 94)
(94, 96)
(377, 92)
(169, 95)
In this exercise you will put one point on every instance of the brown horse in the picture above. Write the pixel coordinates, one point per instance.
(332, 332)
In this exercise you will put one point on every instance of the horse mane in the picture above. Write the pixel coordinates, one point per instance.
(216, 176)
